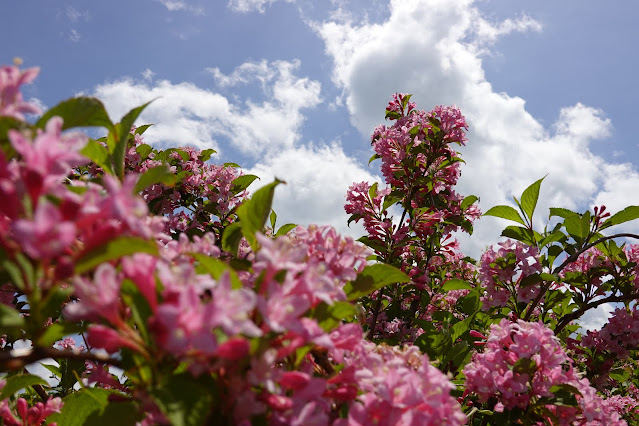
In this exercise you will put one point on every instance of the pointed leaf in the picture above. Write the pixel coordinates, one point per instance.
(253, 213)
(456, 284)
(122, 138)
(372, 278)
(285, 229)
(97, 153)
(242, 182)
(625, 215)
(505, 212)
(160, 174)
(114, 249)
(15, 383)
(529, 198)
(78, 112)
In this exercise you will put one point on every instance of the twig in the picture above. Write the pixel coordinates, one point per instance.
(14, 360)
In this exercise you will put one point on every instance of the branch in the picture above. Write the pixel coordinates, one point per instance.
(566, 319)
(569, 260)
(16, 360)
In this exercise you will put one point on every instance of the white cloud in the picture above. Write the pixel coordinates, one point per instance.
(245, 6)
(178, 5)
(317, 179)
(434, 49)
(186, 114)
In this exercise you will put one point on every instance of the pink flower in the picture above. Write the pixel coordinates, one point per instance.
(99, 298)
(11, 102)
(108, 339)
(49, 158)
(47, 235)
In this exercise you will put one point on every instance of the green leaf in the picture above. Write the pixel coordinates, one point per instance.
(519, 233)
(253, 213)
(71, 369)
(144, 150)
(627, 214)
(456, 284)
(114, 249)
(78, 112)
(91, 406)
(529, 198)
(242, 182)
(273, 219)
(184, 401)
(205, 155)
(468, 201)
(372, 278)
(57, 331)
(216, 268)
(122, 138)
(21, 381)
(231, 238)
(160, 174)
(97, 153)
(560, 212)
(330, 316)
(373, 158)
(141, 129)
(10, 318)
(461, 327)
(285, 229)
(575, 226)
(552, 238)
(505, 212)
(54, 369)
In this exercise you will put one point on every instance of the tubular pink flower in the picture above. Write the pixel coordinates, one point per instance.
(11, 102)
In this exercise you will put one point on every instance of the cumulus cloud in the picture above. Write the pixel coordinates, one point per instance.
(434, 49)
(246, 6)
(317, 179)
(186, 114)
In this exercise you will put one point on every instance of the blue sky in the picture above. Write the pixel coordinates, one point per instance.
(293, 88)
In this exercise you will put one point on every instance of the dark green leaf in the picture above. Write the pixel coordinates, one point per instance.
(372, 278)
(468, 201)
(242, 182)
(54, 369)
(231, 238)
(184, 401)
(505, 212)
(78, 112)
(519, 233)
(529, 198)
(205, 155)
(21, 381)
(160, 174)
(114, 249)
(273, 219)
(141, 129)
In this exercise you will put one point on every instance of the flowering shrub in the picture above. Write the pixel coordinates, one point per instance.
(155, 290)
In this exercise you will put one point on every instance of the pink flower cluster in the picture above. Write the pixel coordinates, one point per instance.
(398, 387)
(521, 362)
(28, 416)
(502, 271)
(618, 336)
